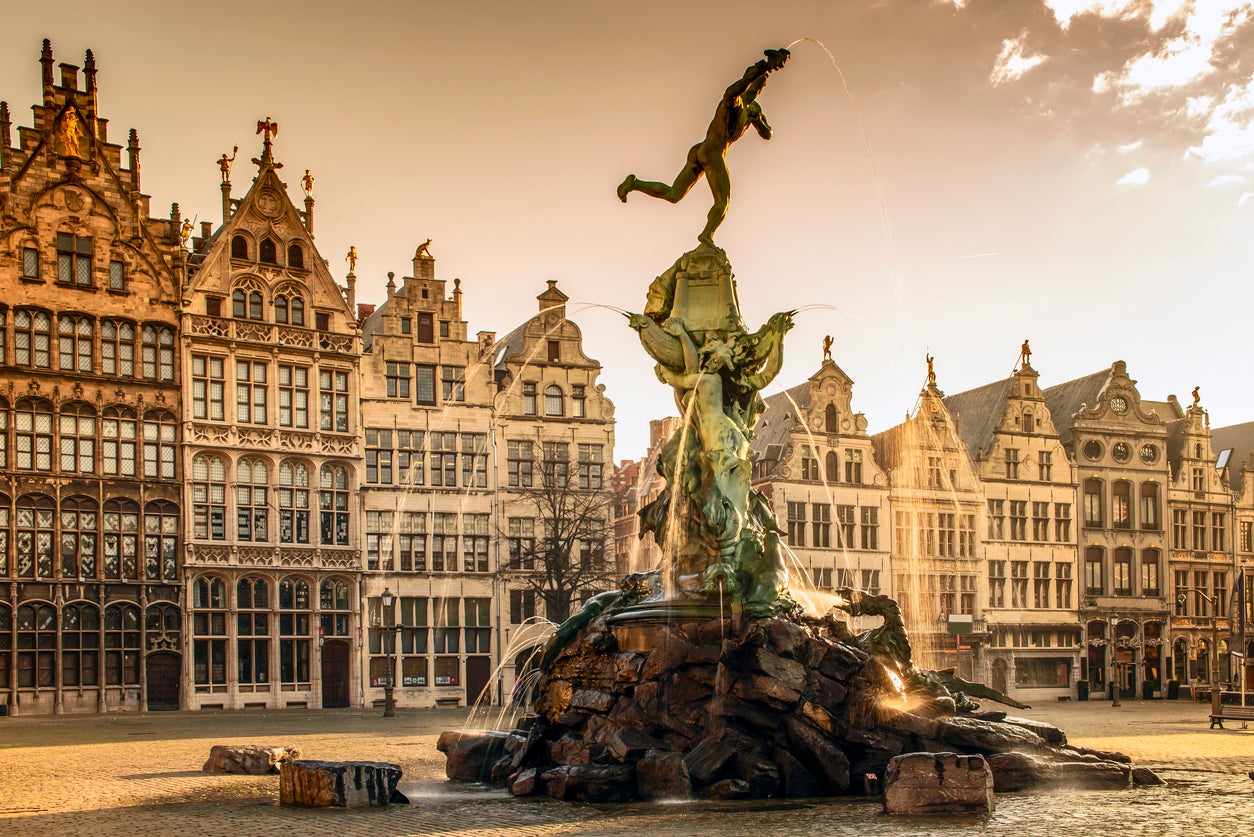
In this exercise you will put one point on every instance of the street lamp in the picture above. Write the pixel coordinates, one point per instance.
(389, 703)
(1181, 598)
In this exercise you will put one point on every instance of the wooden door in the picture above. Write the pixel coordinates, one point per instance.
(478, 673)
(335, 674)
(164, 669)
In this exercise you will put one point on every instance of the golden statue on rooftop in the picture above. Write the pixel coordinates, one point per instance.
(351, 258)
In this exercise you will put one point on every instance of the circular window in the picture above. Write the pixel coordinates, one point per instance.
(1119, 404)
(1093, 449)
(1149, 454)
(1121, 451)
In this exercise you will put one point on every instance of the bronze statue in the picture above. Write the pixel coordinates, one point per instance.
(1197, 396)
(270, 129)
(224, 164)
(307, 183)
(827, 347)
(186, 231)
(736, 112)
(1025, 354)
(931, 372)
(351, 258)
(424, 250)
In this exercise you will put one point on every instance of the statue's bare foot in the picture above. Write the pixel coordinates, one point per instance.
(624, 188)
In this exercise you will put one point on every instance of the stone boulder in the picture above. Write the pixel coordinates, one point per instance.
(591, 782)
(938, 783)
(339, 784)
(662, 775)
(250, 759)
(471, 753)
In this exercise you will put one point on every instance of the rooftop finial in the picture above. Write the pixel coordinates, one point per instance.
(827, 347)
(1197, 396)
(931, 371)
(89, 62)
(269, 130)
(1025, 354)
(45, 58)
(351, 258)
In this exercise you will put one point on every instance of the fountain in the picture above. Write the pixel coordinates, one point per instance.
(703, 677)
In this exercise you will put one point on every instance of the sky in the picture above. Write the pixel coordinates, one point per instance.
(969, 173)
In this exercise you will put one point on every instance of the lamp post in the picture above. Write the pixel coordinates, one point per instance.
(1181, 598)
(1113, 671)
(389, 704)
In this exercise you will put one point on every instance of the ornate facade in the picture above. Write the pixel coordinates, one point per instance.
(1029, 536)
(272, 459)
(814, 460)
(90, 507)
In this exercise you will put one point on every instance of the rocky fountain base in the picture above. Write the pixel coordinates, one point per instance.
(747, 708)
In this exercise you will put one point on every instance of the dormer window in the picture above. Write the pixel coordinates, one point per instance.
(239, 247)
(295, 256)
(269, 255)
(74, 260)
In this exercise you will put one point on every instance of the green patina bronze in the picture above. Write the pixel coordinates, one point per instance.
(737, 111)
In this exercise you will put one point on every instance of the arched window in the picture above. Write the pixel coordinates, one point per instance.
(1149, 506)
(117, 348)
(252, 597)
(295, 256)
(1094, 583)
(158, 353)
(1150, 572)
(269, 254)
(333, 602)
(831, 422)
(78, 537)
(121, 539)
(36, 516)
(553, 401)
(80, 644)
(1093, 502)
(74, 342)
(78, 439)
(164, 624)
(32, 421)
(6, 520)
(280, 309)
(160, 437)
(294, 637)
(161, 541)
(32, 338)
(6, 644)
(239, 304)
(1121, 504)
(333, 505)
(293, 503)
(239, 247)
(831, 466)
(208, 498)
(209, 613)
(298, 311)
(37, 644)
(118, 431)
(251, 500)
(255, 311)
(121, 629)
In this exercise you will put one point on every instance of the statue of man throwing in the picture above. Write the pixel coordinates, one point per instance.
(736, 112)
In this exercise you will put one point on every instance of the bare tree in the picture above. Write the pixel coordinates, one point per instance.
(558, 527)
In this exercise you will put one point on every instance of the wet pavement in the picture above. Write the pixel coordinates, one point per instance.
(140, 774)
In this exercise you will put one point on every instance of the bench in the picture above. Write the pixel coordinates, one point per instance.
(1231, 713)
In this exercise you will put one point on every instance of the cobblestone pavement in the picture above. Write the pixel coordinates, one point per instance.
(140, 774)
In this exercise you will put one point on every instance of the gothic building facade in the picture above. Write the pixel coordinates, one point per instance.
(272, 460)
(90, 503)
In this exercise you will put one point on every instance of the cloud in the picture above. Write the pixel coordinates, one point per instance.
(1136, 177)
(1226, 180)
(1229, 134)
(1130, 147)
(1012, 62)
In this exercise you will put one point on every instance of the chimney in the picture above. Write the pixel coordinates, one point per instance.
(69, 77)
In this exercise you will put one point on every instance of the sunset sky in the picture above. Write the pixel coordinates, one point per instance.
(1075, 173)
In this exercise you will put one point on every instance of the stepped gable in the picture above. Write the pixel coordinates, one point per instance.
(977, 413)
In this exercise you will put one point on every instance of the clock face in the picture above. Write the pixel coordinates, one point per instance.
(1119, 404)
(1149, 454)
(1121, 451)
